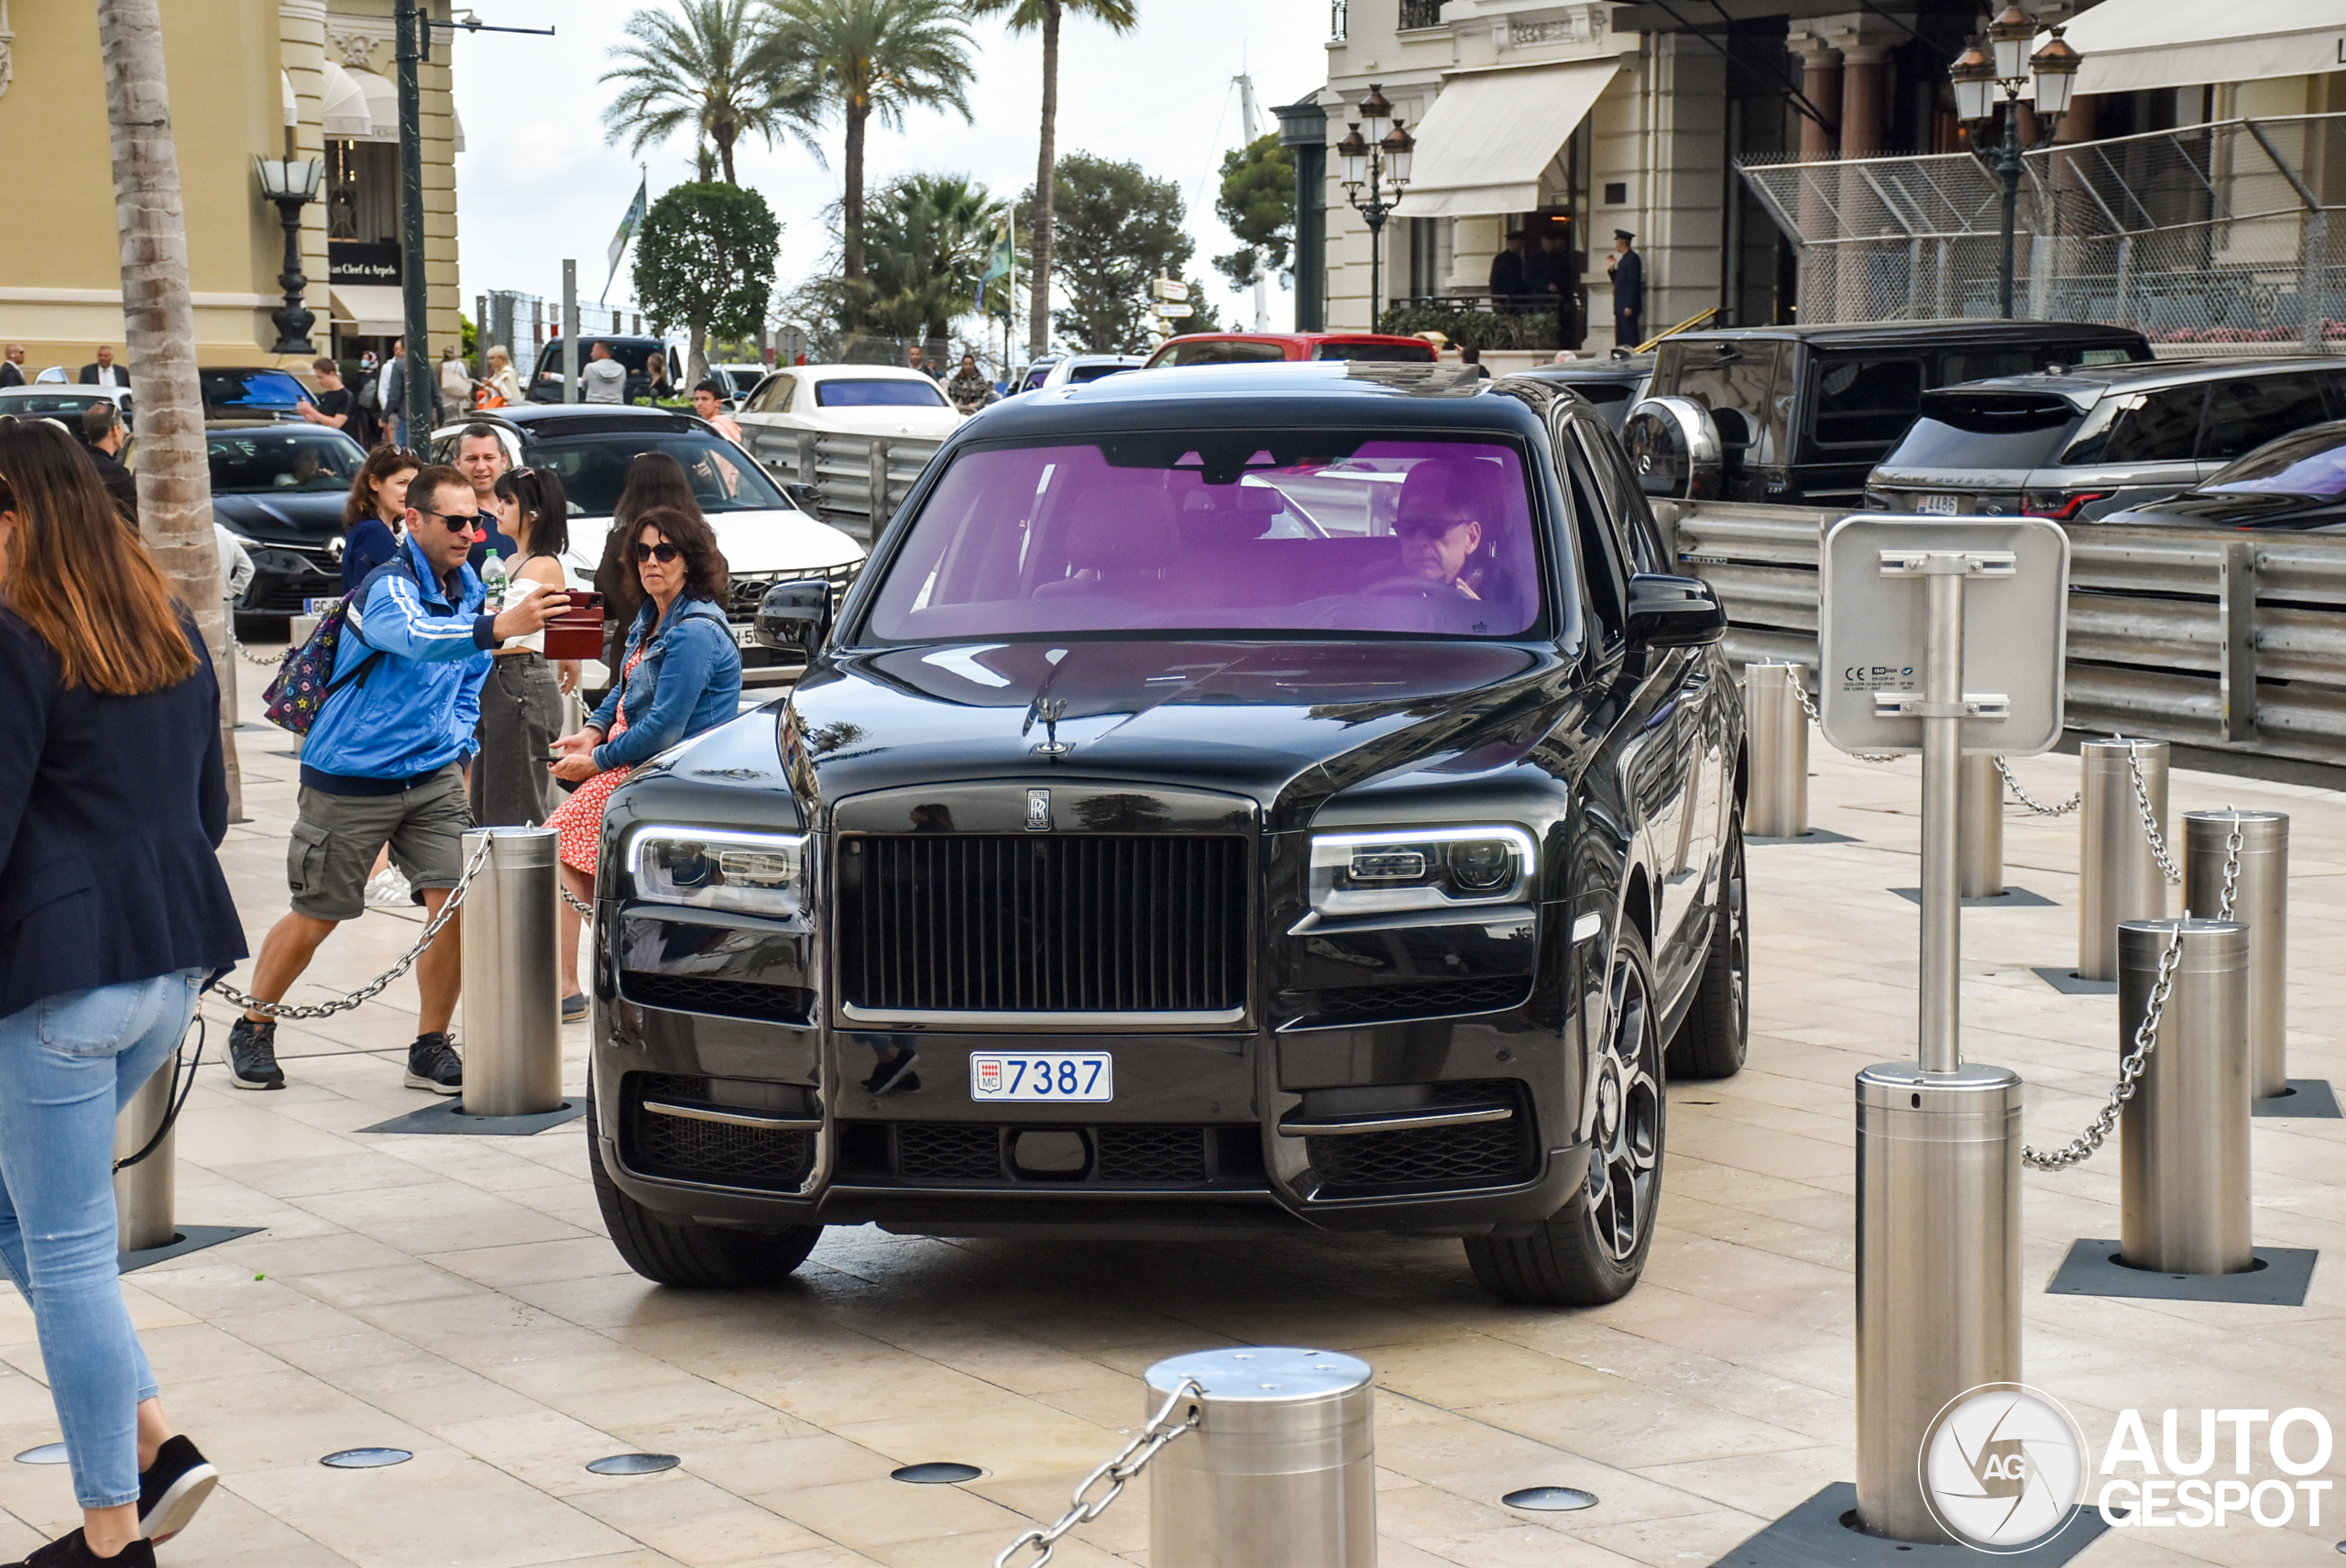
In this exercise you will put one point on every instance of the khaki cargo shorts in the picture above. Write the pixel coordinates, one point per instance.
(336, 837)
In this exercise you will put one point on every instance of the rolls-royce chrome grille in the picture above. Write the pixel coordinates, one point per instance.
(1055, 929)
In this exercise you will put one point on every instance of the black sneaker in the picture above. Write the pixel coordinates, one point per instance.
(573, 1008)
(433, 1063)
(173, 1488)
(252, 1055)
(73, 1552)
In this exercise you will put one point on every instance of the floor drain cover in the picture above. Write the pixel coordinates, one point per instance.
(1551, 1499)
(944, 1472)
(634, 1464)
(367, 1458)
(47, 1454)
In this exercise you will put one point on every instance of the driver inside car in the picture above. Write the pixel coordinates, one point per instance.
(1439, 522)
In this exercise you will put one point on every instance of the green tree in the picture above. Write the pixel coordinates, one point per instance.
(1257, 203)
(706, 258)
(862, 60)
(928, 239)
(1043, 17)
(709, 70)
(1118, 229)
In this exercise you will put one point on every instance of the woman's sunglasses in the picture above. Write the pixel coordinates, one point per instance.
(662, 552)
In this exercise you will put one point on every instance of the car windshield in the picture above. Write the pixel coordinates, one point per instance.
(1325, 532)
(249, 389)
(2312, 463)
(593, 469)
(1970, 431)
(860, 392)
(272, 461)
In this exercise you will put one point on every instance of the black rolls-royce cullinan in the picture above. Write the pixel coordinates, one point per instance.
(1231, 797)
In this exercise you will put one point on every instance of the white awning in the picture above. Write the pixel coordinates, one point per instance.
(383, 104)
(369, 310)
(343, 105)
(2130, 45)
(1483, 145)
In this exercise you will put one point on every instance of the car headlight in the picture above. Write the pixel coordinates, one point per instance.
(750, 874)
(1367, 873)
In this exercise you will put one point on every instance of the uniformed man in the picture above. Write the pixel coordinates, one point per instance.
(1506, 274)
(1628, 273)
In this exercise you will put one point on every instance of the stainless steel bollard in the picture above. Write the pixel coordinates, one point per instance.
(146, 1197)
(513, 988)
(1777, 805)
(2261, 901)
(1938, 1268)
(1981, 837)
(2118, 876)
(1280, 1469)
(2182, 1138)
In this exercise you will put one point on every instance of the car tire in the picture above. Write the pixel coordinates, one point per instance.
(1593, 1249)
(1715, 1035)
(689, 1257)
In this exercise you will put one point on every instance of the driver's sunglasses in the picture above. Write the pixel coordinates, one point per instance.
(662, 552)
(459, 521)
(1429, 528)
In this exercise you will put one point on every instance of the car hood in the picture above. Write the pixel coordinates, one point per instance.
(294, 518)
(754, 543)
(1288, 724)
(2229, 508)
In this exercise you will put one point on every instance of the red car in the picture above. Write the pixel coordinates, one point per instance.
(1250, 347)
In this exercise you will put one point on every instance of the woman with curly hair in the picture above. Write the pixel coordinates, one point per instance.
(370, 517)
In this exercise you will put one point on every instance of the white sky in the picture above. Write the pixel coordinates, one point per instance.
(538, 183)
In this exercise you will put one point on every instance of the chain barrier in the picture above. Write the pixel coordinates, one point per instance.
(1135, 1458)
(2079, 1150)
(267, 660)
(373, 988)
(2167, 868)
(2020, 792)
(1800, 690)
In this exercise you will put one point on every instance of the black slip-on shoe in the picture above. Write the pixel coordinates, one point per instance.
(173, 1488)
(252, 1055)
(73, 1552)
(573, 1008)
(433, 1063)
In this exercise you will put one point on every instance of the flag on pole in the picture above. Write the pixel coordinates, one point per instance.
(1004, 257)
(628, 227)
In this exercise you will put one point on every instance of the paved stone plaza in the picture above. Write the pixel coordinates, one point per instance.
(454, 1296)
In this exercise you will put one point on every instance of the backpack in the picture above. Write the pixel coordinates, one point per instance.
(305, 682)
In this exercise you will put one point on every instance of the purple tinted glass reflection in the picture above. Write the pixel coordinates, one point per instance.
(1425, 537)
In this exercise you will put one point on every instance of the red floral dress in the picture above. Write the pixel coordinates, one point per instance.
(579, 819)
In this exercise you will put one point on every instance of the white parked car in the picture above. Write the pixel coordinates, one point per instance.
(1075, 369)
(851, 399)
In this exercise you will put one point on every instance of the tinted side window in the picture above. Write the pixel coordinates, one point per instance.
(2245, 412)
(1866, 402)
(1623, 500)
(1978, 364)
(2155, 427)
(1742, 394)
(773, 398)
(1599, 544)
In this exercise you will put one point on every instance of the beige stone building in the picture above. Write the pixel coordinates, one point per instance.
(246, 76)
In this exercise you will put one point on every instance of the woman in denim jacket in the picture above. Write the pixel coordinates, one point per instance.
(681, 674)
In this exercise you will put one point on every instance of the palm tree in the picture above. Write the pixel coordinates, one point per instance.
(929, 237)
(158, 331)
(710, 71)
(869, 59)
(1026, 17)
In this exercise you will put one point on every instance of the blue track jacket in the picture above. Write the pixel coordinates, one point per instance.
(414, 710)
(690, 680)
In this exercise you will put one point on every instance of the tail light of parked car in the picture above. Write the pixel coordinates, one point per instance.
(2059, 505)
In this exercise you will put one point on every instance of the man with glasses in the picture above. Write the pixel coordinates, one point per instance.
(383, 765)
(1440, 520)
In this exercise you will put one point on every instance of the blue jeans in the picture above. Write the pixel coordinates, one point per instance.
(68, 1065)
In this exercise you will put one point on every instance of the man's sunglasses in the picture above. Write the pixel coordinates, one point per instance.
(458, 521)
(662, 552)
(1431, 528)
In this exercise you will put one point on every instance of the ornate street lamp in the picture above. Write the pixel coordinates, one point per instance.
(292, 183)
(1376, 172)
(2007, 63)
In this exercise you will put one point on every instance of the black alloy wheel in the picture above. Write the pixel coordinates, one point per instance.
(1715, 1035)
(690, 1257)
(1593, 1249)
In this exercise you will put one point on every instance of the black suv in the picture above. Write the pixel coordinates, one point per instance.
(2083, 445)
(1799, 415)
(1162, 836)
(546, 380)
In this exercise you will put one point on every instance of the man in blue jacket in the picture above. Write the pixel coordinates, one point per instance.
(383, 765)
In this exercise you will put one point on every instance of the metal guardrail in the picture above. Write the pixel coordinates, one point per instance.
(858, 480)
(2216, 638)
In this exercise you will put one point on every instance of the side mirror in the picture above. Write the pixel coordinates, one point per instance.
(804, 496)
(794, 615)
(1673, 447)
(1664, 612)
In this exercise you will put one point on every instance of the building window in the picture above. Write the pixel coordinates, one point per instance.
(1420, 14)
(1430, 255)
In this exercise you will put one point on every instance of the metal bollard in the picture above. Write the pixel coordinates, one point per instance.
(2182, 1138)
(1938, 1268)
(1777, 805)
(2261, 901)
(1281, 1467)
(2118, 876)
(512, 988)
(1980, 836)
(146, 1197)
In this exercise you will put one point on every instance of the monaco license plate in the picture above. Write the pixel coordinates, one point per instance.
(1939, 506)
(1042, 1076)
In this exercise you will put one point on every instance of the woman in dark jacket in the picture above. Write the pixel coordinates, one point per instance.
(370, 517)
(114, 915)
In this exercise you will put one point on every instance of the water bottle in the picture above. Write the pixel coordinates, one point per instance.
(492, 579)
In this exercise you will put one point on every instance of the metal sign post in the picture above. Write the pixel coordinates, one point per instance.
(1938, 1143)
